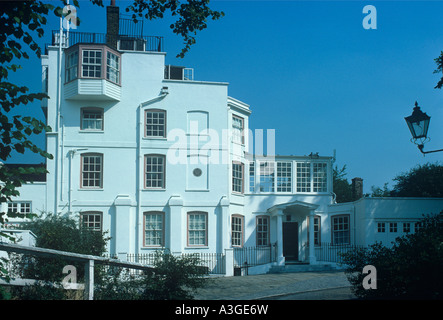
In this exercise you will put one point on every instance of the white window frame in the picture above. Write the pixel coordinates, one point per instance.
(158, 129)
(155, 179)
(154, 233)
(406, 227)
(320, 176)
(91, 174)
(94, 121)
(267, 176)
(238, 127)
(252, 186)
(92, 220)
(93, 65)
(284, 176)
(341, 229)
(263, 231)
(237, 177)
(381, 227)
(112, 67)
(303, 174)
(237, 225)
(197, 233)
(22, 207)
(317, 230)
(71, 70)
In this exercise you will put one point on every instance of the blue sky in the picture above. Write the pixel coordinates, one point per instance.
(309, 70)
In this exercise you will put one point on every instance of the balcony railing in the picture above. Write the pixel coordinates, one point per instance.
(124, 42)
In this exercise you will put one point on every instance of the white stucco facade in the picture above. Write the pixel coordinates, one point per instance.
(164, 162)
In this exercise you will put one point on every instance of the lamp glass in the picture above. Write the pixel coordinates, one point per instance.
(418, 123)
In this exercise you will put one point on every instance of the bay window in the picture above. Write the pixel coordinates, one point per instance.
(92, 62)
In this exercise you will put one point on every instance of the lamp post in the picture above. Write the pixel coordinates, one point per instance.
(418, 124)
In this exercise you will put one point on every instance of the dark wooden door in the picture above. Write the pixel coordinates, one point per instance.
(290, 240)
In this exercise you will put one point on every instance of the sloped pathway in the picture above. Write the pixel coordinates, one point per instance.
(274, 286)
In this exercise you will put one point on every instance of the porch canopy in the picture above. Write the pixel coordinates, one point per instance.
(304, 209)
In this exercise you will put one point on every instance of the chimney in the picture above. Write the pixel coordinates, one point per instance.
(112, 24)
(357, 188)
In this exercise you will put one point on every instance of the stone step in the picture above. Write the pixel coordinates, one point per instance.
(301, 267)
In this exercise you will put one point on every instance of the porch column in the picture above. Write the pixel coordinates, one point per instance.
(280, 257)
(312, 259)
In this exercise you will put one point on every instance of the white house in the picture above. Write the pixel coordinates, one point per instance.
(162, 160)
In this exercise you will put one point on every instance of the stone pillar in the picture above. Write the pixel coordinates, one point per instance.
(229, 262)
(312, 259)
(280, 257)
(176, 224)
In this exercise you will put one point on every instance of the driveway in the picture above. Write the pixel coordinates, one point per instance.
(328, 285)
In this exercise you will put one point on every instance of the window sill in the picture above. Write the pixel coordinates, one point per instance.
(155, 138)
(91, 131)
(90, 189)
(196, 247)
(152, 247)
(154, 189)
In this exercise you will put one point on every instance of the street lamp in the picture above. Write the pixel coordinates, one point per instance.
(418, 124)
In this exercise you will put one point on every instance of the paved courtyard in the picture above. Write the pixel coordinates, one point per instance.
(301, 285)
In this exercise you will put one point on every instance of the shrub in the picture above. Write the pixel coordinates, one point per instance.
(410, 269)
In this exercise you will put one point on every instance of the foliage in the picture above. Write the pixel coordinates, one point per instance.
(42, 290)
(59, 233)
(411, 269)
(439, 62)
(422, 181)
(4, 294)
(171, 278)
(174, 277)
(342, 188)
(21, 22)
(192, 16)
(118, 284)
(381, 192)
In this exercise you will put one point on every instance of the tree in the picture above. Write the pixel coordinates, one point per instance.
(421, 181)
(342, 188)
(381, 192)
(192, 16)
(411, 269)
(59, 233)
(439, 62)
(20, 21)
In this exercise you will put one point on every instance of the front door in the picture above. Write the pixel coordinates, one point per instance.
(290, 240)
